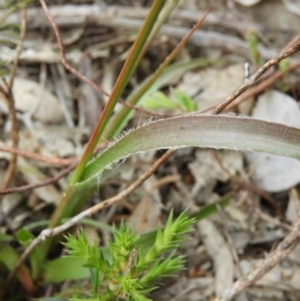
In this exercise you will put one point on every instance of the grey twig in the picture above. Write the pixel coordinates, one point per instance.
(280, 253)
(249, 82)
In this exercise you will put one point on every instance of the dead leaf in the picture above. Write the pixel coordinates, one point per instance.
(146, 216)
(28, 94)
(219, 251)
(32, 175)
(211, 166)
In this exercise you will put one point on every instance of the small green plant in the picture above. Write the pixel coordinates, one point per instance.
(177, 101)
(125, 270)
(253, 47)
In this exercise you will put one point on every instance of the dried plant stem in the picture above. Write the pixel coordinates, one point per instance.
(19, 49)
(8, 94)
(293, 49)
(264, 85)
(73, 221)
(49, 181)
(258, 88)
(272, 220)
(280, 253)
(37, 157)
(63, 54)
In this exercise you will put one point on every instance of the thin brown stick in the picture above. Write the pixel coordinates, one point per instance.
(8, 94)
(49, 181)
(293, 49)
(37, 157)
(19, 49)
(290, 43)
(280, 253)
(73, 221)
(264, 85)
(272, 220)
(247, 185)
(63, 54)
(258, 88)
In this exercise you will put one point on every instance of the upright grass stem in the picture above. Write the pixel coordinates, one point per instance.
(126, 72)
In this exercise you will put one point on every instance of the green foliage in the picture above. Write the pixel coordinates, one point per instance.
(284, 65)
(25, 237)
(9, 32)
(253, 46)
(64, 268)
(5, 237)
(177, 101)
(123, 271)
(15, 4)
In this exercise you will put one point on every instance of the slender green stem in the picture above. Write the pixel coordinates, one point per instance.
(164, 15)
(96, 283)
(122, 80)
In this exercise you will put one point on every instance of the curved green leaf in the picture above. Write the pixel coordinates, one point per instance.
(213, 131)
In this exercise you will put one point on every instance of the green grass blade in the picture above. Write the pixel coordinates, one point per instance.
(220, 132)
(123, 78)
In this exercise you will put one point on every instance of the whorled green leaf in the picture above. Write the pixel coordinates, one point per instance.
(147, 240)
(213, 131)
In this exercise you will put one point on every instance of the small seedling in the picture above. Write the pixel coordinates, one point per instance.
(128, 271)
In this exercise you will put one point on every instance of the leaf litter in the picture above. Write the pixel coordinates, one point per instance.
(206, 174)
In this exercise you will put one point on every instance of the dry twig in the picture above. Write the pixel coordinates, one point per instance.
(280, 253)
(248, 82)
(49, 181)
(63, 54)
(264, 85)
(8, 94)
(37, 157)
(258, 88)
(272, 220)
